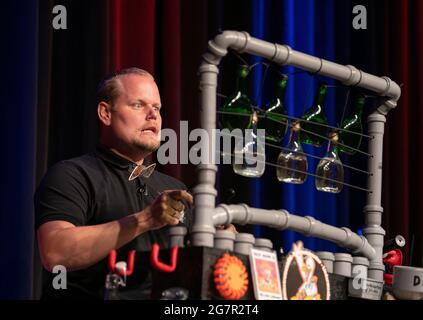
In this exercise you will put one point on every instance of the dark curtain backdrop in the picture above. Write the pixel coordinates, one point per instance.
(19, 107)
(51, 77)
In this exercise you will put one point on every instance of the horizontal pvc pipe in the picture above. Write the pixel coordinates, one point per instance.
(282, 219)
(284, 55)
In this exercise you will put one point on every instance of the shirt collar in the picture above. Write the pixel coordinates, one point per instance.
(108, 155)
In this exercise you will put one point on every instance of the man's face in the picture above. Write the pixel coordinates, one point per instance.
(135, 117)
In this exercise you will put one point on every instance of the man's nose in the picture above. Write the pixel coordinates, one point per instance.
(152, 113)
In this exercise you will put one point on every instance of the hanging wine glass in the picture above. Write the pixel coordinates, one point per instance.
(275, 120)
(250, 154)
(313, 129)
(292, 163)
(330, 171)
(351, 139)
(237, 109)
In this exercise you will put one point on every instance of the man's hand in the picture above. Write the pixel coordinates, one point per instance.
(228, 227)
(166, 209)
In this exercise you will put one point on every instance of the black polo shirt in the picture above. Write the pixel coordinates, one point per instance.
(94, 189)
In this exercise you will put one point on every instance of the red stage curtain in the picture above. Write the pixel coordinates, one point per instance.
(132, 34)
(416, 132)
(403, 171)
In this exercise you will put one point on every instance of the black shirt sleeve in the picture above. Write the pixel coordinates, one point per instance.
(62, 195)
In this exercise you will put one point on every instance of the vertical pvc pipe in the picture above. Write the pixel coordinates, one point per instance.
(205, 193)
(373, 210)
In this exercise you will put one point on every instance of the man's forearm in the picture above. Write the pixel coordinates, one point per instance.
(76, 248)
(80, 247)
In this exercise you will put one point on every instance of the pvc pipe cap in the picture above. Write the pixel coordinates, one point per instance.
(326, 255)
(345, 257)
(177, 231)
(361, 261)
(245, 237)
(262, 242)
(224, 234)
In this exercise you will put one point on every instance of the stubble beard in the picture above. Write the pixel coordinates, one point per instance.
(146, 147)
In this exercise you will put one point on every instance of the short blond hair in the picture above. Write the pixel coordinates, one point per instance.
(109, 88)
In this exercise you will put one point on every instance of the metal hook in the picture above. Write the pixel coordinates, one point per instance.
(155, 250)
(130, 263)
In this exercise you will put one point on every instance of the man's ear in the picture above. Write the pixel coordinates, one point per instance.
(104, 113)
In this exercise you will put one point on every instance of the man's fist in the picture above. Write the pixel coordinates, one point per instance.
(228, 227)
(167, 208)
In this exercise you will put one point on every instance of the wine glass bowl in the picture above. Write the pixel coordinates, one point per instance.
(250, 153)
(330, 171)
(292, 162)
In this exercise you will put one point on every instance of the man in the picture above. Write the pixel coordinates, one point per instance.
(87, 206)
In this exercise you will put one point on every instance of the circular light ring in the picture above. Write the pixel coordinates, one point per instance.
(230, 277)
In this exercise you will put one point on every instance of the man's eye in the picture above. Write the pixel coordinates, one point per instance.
(137, 105)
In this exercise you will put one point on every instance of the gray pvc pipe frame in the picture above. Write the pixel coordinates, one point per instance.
(207, 215)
